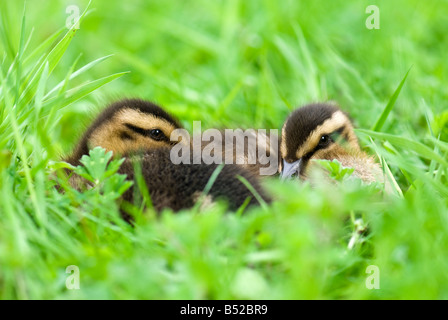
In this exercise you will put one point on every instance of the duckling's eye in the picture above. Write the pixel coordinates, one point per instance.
(324, 140)
(156, 134)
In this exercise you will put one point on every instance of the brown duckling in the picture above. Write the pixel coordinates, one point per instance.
(323, 131)
(140, 131)
(180, 186)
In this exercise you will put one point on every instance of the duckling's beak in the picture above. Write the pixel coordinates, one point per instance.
(289, 169)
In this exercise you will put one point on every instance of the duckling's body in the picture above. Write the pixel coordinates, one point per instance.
(323, 131)
(140, 131)
(180, 186)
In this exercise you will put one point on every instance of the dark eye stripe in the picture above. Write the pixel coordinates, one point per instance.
(147, 133)
(139, 130)
(125, 136)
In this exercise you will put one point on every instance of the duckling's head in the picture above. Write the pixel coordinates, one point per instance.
(315, 131)
(128, 126)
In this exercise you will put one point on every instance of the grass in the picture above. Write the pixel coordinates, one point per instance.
(229, 64)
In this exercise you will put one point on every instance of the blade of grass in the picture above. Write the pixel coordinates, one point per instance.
(311, 75)
(208, 187)
(22, 152)
(20, 54)
(142, 187)
(44, 46)
(419, 148)
(390, 105)
(253, 191)
(53, 59)
(72, 75)
(5, 35)
(387, 173)
(80, 92)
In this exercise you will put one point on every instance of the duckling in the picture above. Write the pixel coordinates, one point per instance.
(140, 131)
(323, 131)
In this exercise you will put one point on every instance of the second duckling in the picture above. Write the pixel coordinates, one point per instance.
(323, 131)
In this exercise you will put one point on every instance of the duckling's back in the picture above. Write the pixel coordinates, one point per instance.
(179, 186)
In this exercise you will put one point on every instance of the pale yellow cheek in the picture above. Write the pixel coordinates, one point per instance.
(114, 144)
(150, 144)
(283, 150)
(140, 143)
(335, 151)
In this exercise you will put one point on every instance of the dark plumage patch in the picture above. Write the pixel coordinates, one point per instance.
(176, 186)
(138, 130)
(302, 121)
(126, 136)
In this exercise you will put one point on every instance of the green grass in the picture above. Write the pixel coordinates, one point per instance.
(229, 64)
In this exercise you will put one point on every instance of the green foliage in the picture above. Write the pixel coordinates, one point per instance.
(229, 64)
(98, 168)
(335, 169)
(390, 105)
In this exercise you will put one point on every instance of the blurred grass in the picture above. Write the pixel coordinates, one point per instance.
(229, 64)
